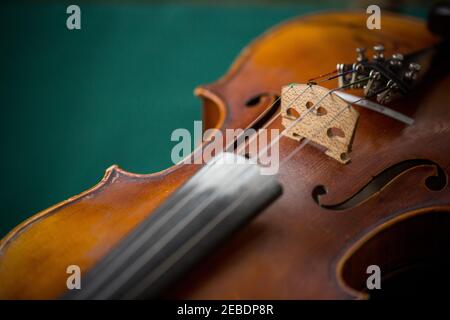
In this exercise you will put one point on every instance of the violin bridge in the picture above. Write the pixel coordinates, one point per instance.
(321, 117)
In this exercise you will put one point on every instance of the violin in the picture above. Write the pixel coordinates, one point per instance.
(362, 181)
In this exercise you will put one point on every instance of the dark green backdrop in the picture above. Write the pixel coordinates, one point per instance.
(75, 102)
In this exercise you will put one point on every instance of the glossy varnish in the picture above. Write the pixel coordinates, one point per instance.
(294, 248)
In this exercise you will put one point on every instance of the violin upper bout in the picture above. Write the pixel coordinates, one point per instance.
(296, 51)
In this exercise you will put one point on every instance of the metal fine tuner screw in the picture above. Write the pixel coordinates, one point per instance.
(379, 52)
(397, 60)
(361, 54)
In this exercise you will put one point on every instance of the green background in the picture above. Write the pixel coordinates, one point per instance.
(75, 102)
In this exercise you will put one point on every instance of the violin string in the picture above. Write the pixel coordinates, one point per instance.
(290, 88)
(155, 274)
(271, 120)
(148, 233)
(307, 140)
(156, 247)
(299, 119)
(332, 77)
(279, 113)
(323, 75)
(169, 262)
(336, 76)
(199, 148)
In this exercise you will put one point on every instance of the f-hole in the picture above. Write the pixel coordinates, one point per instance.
(270, 110)
(435, 182)
(256, 100)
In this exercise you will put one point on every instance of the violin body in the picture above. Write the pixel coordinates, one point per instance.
(305, 245)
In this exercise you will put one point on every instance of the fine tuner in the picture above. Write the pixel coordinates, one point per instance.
(327, 117)
(380, 77)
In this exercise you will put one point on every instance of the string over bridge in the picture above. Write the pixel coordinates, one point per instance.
(318, 114)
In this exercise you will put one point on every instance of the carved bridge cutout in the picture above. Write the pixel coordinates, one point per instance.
(435, 182)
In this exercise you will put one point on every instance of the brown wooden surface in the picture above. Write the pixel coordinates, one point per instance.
(294, 249)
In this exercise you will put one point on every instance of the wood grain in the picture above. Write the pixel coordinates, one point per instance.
(292, 249)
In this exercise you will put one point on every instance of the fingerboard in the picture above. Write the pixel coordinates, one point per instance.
(203, 213)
